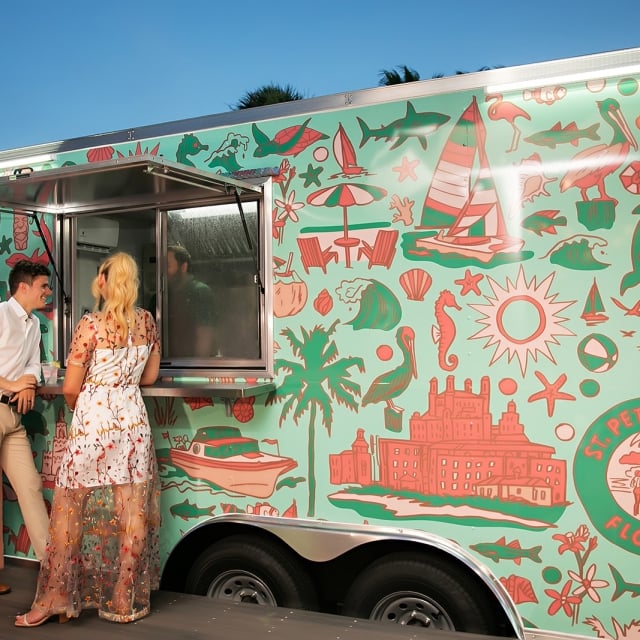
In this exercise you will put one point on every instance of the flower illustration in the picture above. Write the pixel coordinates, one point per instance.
(569, 542)
(587, 584)
(290, 207)
(562, 600)
(277, 226)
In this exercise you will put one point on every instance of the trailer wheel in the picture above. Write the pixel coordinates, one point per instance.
(424, 593)
(246, 569)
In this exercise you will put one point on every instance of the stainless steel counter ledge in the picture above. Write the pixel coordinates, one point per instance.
(187, 389)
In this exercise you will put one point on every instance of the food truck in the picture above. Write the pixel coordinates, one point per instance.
(419, 400)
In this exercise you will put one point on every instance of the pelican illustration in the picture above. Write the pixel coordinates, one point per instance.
(391, 384)
(594, 164)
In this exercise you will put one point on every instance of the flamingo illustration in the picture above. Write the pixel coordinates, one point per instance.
(500, 110)
(391, 384)
(591, 166)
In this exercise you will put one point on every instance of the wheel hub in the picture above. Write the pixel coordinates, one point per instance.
(412, 609)
(240, 586)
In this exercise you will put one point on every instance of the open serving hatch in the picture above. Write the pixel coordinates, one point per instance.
(143, 185)
(122, 184)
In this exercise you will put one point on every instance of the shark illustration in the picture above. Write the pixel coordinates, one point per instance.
(501, 550)
(622, 586)
(414, 125)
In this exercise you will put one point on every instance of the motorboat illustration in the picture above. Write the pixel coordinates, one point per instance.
(223, 456)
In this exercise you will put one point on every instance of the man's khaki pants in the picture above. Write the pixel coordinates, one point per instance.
(16, 460)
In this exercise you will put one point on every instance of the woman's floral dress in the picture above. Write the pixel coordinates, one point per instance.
(103, 538)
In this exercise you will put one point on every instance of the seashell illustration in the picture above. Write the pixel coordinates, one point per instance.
(99, 154)
(323, 302)
(416, 283)
(519, 588)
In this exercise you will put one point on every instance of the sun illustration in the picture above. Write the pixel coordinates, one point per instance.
(522, 319)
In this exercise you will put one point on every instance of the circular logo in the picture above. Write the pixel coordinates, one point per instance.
(606, 472)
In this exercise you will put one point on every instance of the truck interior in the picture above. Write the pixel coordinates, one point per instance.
(142, 205)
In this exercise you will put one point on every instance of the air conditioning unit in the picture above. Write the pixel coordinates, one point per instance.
(97, 233)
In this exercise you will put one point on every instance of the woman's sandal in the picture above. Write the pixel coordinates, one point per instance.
(22, 621)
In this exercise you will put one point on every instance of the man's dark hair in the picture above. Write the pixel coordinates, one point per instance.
(181, 254)
(26, 271)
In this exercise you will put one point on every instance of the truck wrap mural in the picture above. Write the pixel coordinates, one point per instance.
(456, 308)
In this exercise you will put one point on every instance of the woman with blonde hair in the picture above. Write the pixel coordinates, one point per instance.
(103, 544)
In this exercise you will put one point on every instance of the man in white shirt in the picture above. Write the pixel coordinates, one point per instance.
(19, 378)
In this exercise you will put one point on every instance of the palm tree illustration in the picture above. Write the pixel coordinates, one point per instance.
(312, 384)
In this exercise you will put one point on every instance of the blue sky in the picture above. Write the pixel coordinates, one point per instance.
(74, 68)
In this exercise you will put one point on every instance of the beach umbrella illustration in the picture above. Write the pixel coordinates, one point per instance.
(346, 195)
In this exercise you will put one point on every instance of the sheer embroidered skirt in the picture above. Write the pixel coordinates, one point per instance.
(102, 551)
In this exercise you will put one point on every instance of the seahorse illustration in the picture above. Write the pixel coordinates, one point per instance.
(444, 333)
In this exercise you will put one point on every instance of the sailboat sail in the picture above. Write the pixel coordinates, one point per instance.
(593, 312)
(468, 215)
(345, 153)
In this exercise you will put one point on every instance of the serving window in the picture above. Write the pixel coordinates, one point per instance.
(202, 243)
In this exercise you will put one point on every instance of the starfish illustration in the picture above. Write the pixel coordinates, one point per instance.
(469, 283)
(551, 392)
(407, 169)
(311, 175)
(5, 245)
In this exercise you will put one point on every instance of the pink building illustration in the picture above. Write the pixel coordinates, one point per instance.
(52, 457)
(454, 449)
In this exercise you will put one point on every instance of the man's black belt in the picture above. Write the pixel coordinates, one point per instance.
(5, 399)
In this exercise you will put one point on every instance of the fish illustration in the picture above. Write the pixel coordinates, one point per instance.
(414, 125)
(563, 135)
(622, 586)
(186, 510)
(501, 550)
(544, 221)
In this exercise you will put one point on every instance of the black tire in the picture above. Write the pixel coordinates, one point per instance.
(246, 569)
(429, 593)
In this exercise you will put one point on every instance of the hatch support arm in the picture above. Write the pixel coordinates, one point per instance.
(248, 237)
(66, 299)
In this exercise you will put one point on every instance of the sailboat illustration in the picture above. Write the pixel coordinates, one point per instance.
(594, 307)
(345, 154)
(462, 201)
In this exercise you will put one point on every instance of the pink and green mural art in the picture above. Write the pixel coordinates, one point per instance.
(455, 312)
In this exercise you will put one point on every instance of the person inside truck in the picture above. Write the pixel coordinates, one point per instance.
(19, 377)
(191, 314)
(102, 549)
